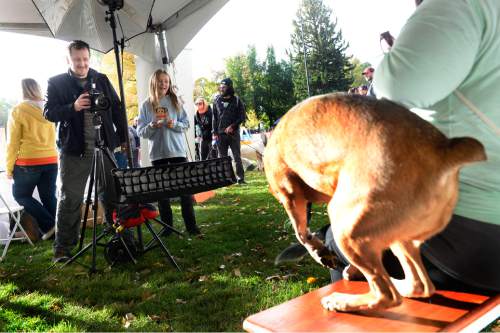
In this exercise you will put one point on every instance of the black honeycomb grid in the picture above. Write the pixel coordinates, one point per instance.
(150, 184)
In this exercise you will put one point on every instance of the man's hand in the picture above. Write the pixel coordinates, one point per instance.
(9, 176)
(229, 130)
(82, 103)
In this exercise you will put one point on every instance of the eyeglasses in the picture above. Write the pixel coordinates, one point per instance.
(199, 103)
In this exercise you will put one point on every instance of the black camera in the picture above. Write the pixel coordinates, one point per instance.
(112, 4)
(388, 38)
(98, 100)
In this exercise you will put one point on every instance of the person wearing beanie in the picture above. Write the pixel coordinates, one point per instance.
(228, 114)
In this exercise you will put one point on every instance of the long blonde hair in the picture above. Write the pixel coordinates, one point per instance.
(154, 98)
(31, 90)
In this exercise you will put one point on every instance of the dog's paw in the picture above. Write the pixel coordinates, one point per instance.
(349, 302)
(345, 302)
(335, 302)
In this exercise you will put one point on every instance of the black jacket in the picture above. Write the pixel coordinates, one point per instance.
(234, 114)
(62, 91)
(205, 123)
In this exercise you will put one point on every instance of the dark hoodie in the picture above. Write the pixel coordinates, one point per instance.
(227, 112)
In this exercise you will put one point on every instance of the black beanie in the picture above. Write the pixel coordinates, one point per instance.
(227, 82)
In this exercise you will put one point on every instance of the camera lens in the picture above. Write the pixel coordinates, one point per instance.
(102, 102)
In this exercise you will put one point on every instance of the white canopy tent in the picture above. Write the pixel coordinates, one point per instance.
(153, 30)
(85, 19)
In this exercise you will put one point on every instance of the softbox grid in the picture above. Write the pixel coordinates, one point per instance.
(150, 184)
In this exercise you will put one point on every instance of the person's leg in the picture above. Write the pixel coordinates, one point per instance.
(235, 145)
(164, 205)
(135, 157)
(205, 149)
(223, 145)
(73, 175)
(47, 189)
(187, 208)
(25, 180)
(188, 216)
(464, 256)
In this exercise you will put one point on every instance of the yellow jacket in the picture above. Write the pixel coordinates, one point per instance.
(31, 139)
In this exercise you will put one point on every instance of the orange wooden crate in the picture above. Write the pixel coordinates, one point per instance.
(444, 311)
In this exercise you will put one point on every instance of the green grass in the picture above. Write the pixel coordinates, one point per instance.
(227, 276)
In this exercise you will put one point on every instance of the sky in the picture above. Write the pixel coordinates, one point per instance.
(237, 25)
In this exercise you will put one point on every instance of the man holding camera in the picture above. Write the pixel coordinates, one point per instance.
(68, 104)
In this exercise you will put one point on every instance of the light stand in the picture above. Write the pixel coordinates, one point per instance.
(114, 5)
(110, 18)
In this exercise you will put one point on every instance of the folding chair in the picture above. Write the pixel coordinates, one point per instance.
(14, 210)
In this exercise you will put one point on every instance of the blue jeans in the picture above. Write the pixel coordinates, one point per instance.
(121, 159)
(43, 177)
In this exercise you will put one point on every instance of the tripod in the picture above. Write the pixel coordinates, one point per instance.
(97, 174)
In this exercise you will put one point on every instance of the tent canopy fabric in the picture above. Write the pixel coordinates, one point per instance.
(85, 19)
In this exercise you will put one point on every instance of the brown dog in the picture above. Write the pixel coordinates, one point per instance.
(390, 180)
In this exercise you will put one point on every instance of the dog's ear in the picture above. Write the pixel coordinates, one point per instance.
(465, 150)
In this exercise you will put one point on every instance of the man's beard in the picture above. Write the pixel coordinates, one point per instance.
(228, 92)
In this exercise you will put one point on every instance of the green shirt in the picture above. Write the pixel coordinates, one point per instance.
(449, 45)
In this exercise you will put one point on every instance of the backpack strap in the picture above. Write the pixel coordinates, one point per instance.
(477, 112)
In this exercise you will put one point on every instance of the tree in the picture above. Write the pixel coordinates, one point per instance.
(108, 67)
(252, 120)
(277, 84)
(235, 69)
(316, 38)
(205, 88)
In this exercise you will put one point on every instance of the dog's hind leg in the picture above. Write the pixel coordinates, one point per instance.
(364, 252)
(416, 282)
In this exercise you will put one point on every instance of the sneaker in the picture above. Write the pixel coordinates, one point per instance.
(194, 232)
(241, 182)
(49, 234)
(61, 256)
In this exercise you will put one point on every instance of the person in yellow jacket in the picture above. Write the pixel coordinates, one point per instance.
(32, 158)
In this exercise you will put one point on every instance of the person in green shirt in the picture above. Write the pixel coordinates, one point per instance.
(447, 59)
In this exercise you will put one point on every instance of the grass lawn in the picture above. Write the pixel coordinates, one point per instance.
(227, 275)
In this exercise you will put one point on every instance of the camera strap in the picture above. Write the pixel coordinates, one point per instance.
(474, 109)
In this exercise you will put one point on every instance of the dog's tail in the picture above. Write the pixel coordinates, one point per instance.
(465, 150)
